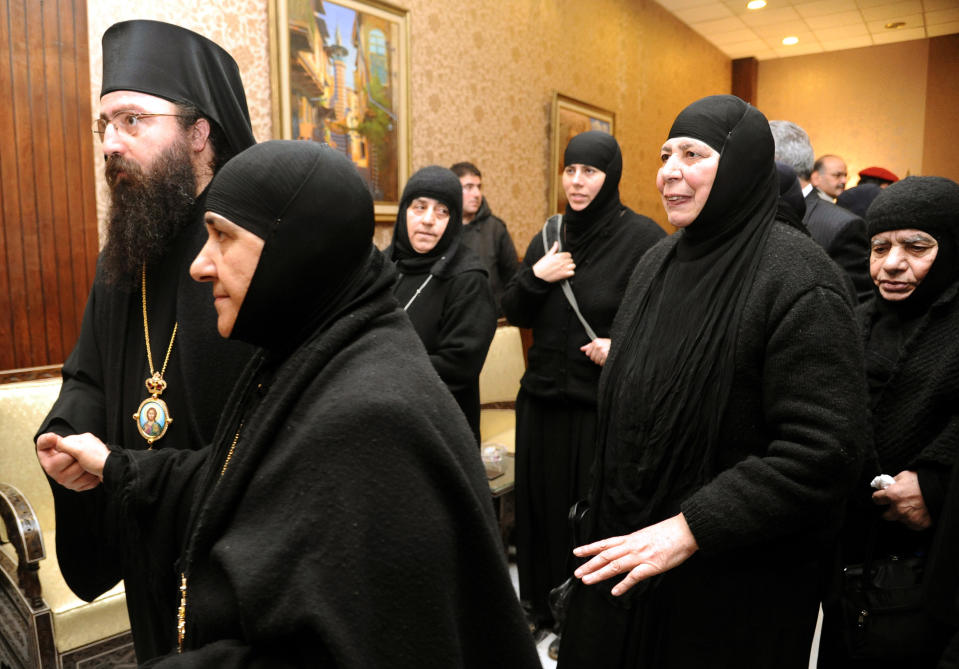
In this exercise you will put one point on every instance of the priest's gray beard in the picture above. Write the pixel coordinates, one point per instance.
(147, 210)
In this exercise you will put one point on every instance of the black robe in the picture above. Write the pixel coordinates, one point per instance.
(352, 526)
(102, 388)
(455, 318)
(790, 442)
(556, 408)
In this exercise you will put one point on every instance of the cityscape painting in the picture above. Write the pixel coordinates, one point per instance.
(340, 76)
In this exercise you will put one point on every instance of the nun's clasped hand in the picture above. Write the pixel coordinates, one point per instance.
(905, 502)
(75, 462)
(644, 553)
(555, 266)
(597, 350)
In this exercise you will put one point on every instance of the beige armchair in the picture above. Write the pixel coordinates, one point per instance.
(499, 383)
(42, 623)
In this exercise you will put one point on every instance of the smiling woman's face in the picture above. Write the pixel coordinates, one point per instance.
(686, 178)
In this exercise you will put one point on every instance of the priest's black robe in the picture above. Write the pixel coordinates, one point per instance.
(102, 388)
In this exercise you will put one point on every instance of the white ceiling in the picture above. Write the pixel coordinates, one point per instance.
(820, 25)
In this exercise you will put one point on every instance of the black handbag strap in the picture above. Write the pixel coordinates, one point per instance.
(552, 233)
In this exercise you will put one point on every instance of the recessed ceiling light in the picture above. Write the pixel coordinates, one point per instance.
(755, 4)
(892, 25)
(789, 41)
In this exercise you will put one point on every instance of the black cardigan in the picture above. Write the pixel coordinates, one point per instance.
(792, 436)
(916, 417)
(557, 369)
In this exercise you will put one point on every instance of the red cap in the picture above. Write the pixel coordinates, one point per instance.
(879, 173)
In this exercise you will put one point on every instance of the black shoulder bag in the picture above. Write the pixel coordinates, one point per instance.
(881, 601)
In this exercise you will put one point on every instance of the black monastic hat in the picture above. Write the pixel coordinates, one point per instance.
(179, 65)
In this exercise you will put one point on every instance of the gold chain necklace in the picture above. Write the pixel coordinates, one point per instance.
(181, 610)
(153, 415)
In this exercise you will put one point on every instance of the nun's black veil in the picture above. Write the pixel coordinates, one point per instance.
(664, 388)
(310, 206)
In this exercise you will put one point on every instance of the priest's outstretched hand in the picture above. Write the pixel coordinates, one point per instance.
(75, 462)
(644, 553)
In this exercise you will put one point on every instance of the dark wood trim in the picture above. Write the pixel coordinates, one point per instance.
(30, 373)
(746, 79)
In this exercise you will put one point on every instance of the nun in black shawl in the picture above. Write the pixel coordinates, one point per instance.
(601, 241)
(340, 517)
(731, 421)
(442, 285)
(912, 366)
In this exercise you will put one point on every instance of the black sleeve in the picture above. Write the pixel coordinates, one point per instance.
(86, 539)
(817, 423)
(466, 330)
(81, 405)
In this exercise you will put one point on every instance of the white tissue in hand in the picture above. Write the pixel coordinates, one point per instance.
(882, 482)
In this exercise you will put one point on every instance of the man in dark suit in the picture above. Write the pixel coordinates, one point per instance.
(840, 232)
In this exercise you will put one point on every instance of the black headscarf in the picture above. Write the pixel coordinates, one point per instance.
(663, 391)
(313, 211)
(930, 204)
(600, 150)
(444, 186)
(179, 65)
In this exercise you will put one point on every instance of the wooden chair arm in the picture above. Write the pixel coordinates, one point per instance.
(23, 531)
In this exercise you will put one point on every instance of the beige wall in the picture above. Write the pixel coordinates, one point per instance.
(482, 79)
(867, 105)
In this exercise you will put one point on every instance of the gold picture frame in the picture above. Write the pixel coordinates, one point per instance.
(568, 118)
(340, 75)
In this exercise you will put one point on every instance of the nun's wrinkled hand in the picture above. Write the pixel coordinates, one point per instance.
(905, 502)
(555, 266)
(61, 466)
(647, 552)
(597, 350)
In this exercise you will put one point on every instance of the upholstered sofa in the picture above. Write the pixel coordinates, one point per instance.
(42, 623)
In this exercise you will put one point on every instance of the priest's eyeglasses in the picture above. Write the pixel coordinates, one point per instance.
(127, 122)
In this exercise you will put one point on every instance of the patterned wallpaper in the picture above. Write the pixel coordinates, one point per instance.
(482, 78)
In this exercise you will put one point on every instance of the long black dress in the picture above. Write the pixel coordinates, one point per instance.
(556, 406)
(734, 395)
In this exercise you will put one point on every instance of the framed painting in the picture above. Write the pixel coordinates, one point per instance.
(340, 75)
(570, 117)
